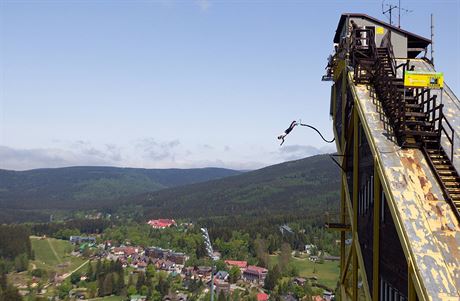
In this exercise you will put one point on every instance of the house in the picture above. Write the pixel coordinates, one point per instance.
(300, 281)
(125, 251)
(187, 271)
(204, 271)
(161, 223)
(328, 296)
(155, 252)
(317, 298)
(255, 274)
(82, 239)
(310, 248)
(176, 257)
(222, 275)
(405, 44)
(262, 297)
(222, 286)
(141, 266)
(241, 264)
(165, 265)
(285, 229)
(314, 258)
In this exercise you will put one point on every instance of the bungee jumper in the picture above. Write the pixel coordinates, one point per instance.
(287, 131)
(296, 123)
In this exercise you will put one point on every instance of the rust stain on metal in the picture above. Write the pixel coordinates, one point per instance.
(426, 219)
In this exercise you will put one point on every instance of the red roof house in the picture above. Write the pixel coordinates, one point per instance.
(161, 223)
(255, 274)
(237, 263)
(262, 297)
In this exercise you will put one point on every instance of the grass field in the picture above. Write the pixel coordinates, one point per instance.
(54, 254)
(327, 272)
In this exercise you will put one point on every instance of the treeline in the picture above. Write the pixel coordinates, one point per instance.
(15, 247)
(7, 291)
(72, 227)
(15, 251)
(306, 229)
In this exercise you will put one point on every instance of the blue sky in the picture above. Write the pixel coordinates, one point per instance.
(167, 83)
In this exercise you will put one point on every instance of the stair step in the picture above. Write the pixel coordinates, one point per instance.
(447, 172)
(452, 184)
(450, 178)
(443, 167)
(419, 122)
(438, 156)
(413, 105)
(453, 190)
(415, 114)
(421, 133)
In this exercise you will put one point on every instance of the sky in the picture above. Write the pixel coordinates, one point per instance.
(179, 84)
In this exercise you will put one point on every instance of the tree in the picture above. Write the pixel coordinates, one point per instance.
(64, 289)
(150, 271)
(140, 282)
(99, 270)
(75, 277)
(90, 272)
(163, 285)
(272, 278)
(10, 294)
(222, 296)
(21, 262)
(132, 290)
(234, 274)
(108, 284)
(285, 256)
(260, 246)
(220, 265)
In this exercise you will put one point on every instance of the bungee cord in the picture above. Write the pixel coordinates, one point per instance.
(296, 123)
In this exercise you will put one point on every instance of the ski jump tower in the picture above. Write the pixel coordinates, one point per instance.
(396, 126)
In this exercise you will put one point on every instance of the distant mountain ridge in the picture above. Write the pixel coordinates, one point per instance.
(70, 187)
(301, 187)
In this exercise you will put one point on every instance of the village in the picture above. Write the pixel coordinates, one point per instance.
(235, 275)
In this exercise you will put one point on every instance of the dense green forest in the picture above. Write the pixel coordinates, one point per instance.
(286, 191)
(25, 195)
(15, 252)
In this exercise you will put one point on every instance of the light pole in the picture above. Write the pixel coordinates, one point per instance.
(210, 251)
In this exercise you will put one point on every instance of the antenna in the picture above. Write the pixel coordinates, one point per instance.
(389, 11)
(432, 39)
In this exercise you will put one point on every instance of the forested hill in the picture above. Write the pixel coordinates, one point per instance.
(304, 188)
(77, 187)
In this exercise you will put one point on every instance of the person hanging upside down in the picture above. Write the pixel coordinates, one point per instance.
(287, 131)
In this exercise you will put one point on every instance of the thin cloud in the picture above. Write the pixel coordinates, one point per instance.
(158, 151)
(203, 4)
(23, 159)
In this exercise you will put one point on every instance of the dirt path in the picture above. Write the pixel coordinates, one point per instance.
(54, 251)
(79, 267)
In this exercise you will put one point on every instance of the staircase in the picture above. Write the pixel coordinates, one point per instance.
(417, 121)
(446, 174)
(406, 112)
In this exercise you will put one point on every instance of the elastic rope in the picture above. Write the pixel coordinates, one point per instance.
(319, 133)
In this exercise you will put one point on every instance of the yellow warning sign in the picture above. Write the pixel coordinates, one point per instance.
(432, 80)
(379, 30)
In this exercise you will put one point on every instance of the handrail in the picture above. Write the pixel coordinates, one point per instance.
(451, 138)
